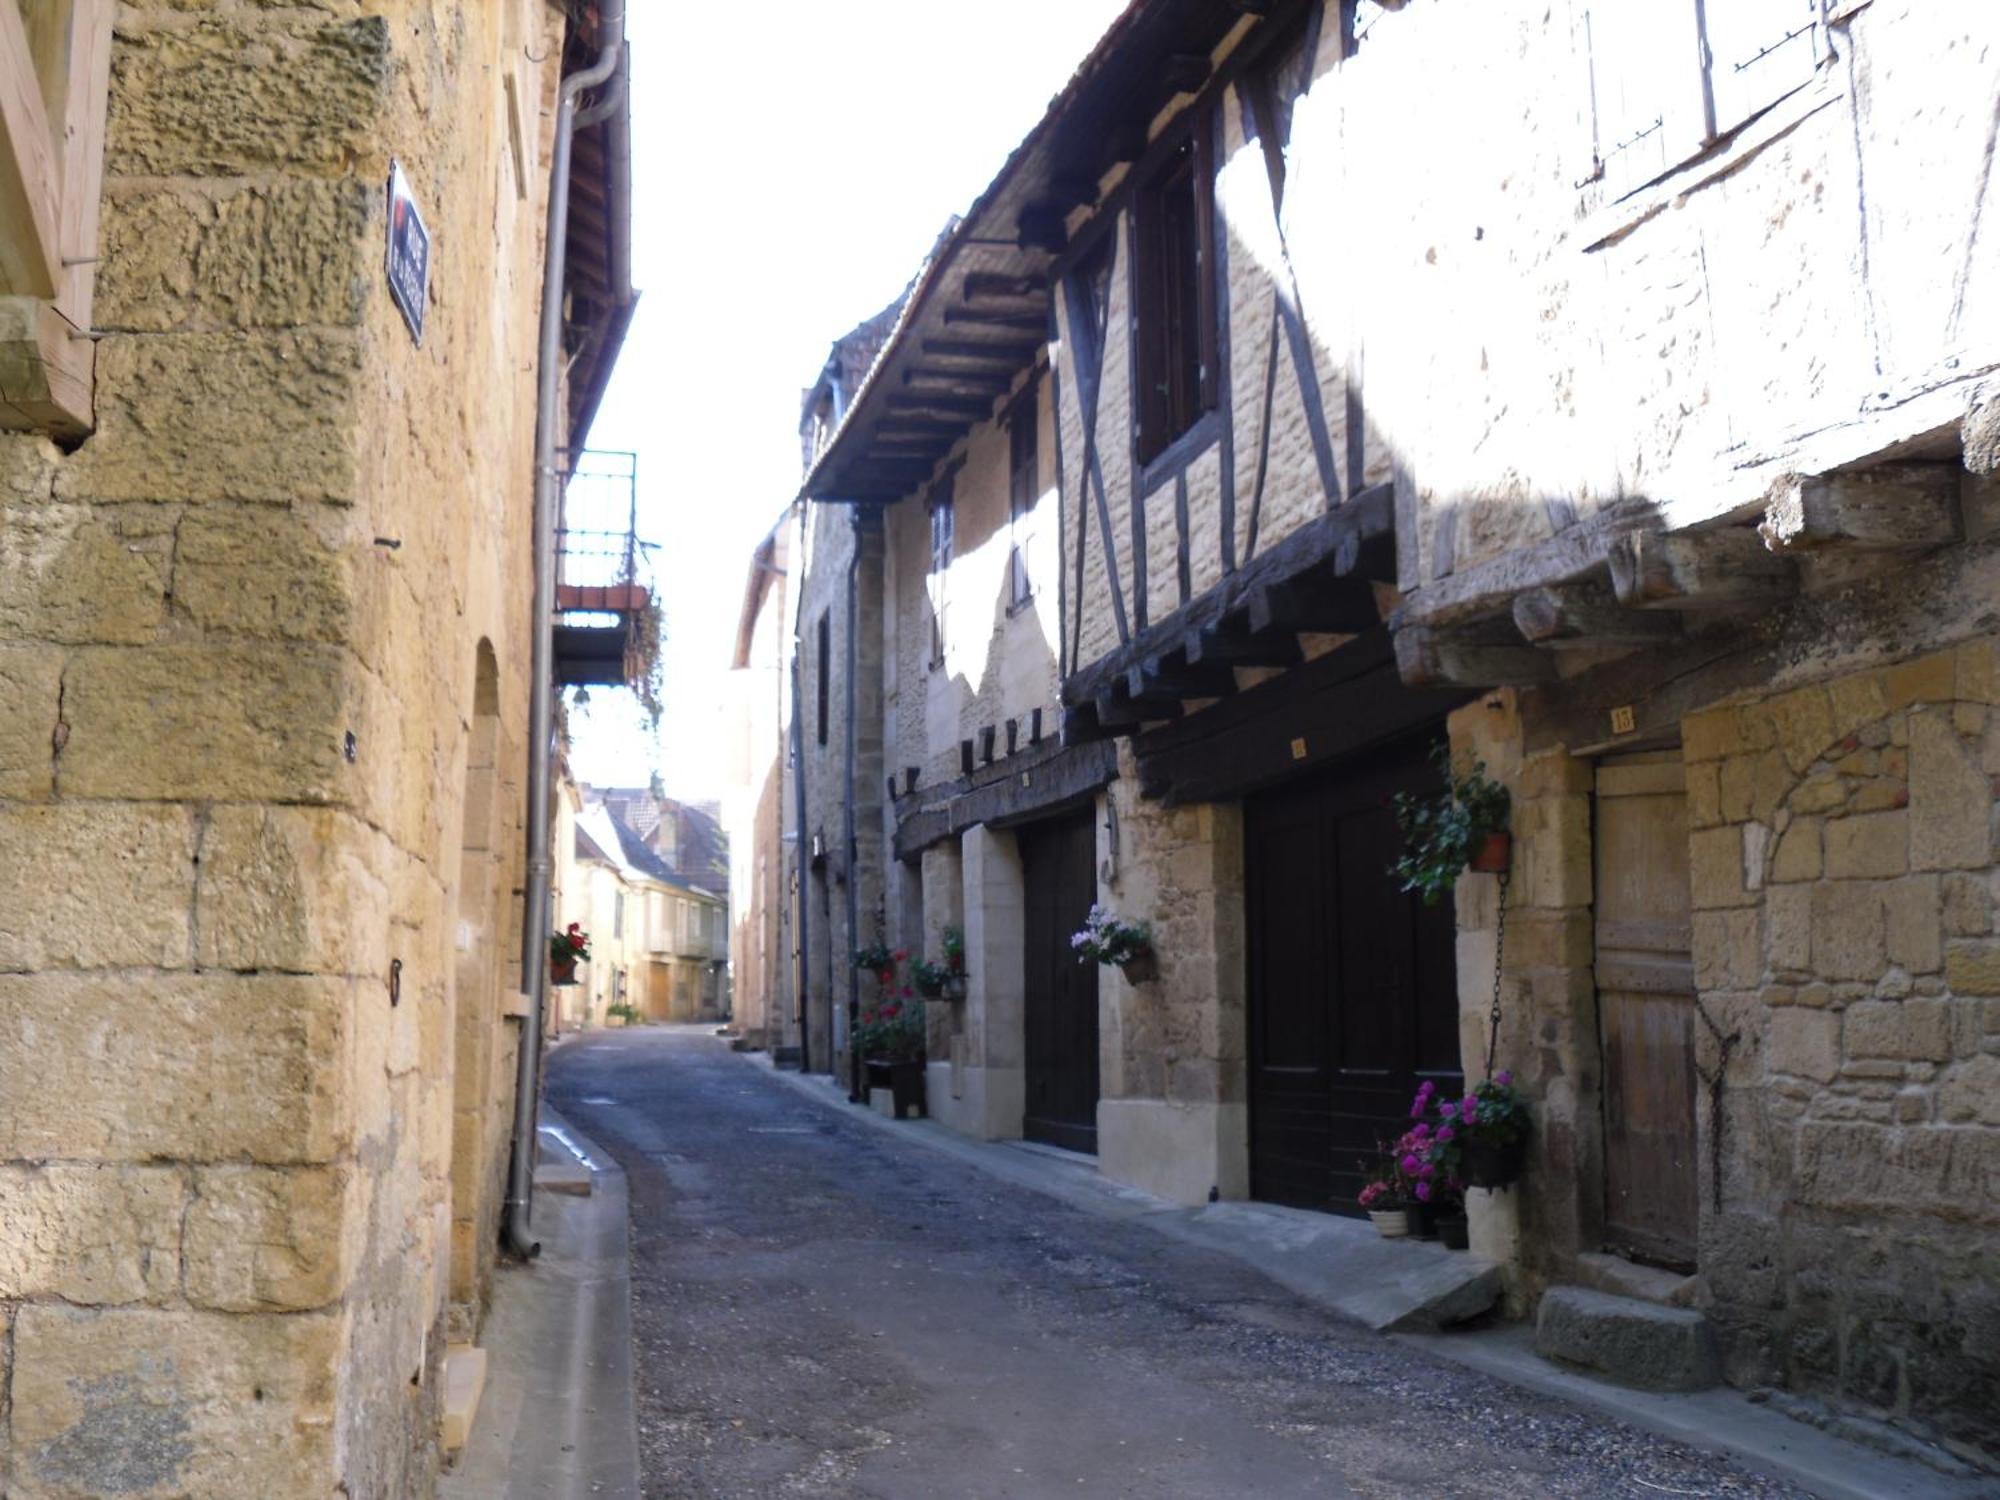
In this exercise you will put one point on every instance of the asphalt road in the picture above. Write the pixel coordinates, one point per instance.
(821, 1309)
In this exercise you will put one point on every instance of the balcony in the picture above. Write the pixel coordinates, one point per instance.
(604, 574)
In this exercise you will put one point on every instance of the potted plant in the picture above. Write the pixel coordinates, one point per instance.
(1107, 939)
(890, 1039)
(944, 980)
(879, 959)
(1386, 1202)
(1430, 1156)
(625, 1013)
(566, 949)
(1463, 827)
(1493, 1125)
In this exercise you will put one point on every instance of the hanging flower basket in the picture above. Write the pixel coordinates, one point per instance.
(1488, 1165)
(565, 949)
(1109, 939)
(562, 971)
(1495, 854)
(1142, 967)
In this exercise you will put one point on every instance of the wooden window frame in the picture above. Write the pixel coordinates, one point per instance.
(944, 526)
(1024, 463)
(1164, 412)
(55, 84)
(823, 685)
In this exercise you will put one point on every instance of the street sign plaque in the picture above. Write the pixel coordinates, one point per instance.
(409, 254)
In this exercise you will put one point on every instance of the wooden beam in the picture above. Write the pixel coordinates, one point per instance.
(1163, 677)
(1185, 72)
(1011, 322)
(1432, 658)
(956, 406)
(1012, 354)
(1041, 777)
(1220, 644)
(1891, 507)
(989, 286)
(1587, 615)
(925, 426)
(31, 255)
(1696, 570)
(1041, 227)
(1117, 709)
(45, 370)
(1335, 605)
(975, 382)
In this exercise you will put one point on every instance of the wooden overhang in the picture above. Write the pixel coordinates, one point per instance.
(1321, 578)
(979, 312)
(597, 267)
(1035, 782)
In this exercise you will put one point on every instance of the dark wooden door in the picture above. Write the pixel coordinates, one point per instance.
(1353, 984)
(1059, 876)
(1645, 1009)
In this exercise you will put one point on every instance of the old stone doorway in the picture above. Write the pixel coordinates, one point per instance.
(1646, 1008)
(1353, 989)
(1059, 882)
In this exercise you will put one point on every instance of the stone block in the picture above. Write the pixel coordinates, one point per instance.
(1798, 855)
(125, 897)
(1803, 1043)
(1970, 1093)
(213, 416)
(202, 1066)
(1753, 787)
(228, 99)
(1951, 800)
(1848, 936)
(30, 691)
(1728, 949)
(1928, 679)
(286, 253)
(1869, 1168)
(1972, 968)
(1821, 792)
(263, 571)
(260, 1239)
(299, 889)
(28, 464)
(1976, 678)
(1716, 733)
(78, 573)
(157, 1402)
(1914, 1030)
(1634, 1343)
(236, 722)
(1867, 846)
(1715, 868)
(1855, 702)
(1804, 723)
(1704, 795)
(90, 1235)
(1910, 911)
(1552, 850)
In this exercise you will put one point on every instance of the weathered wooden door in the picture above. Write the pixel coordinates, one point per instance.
(1353, 984)
(1646, 1009)
(1059, 874)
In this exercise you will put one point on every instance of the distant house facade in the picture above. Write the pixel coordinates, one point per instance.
(1271, 435)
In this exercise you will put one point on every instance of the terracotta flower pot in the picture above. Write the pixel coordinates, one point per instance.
(1491, 1166)
(562, 971)
(1142, 967)
(1494, 855)
(954, 987)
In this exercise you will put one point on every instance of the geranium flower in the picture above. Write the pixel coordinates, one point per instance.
(1410, 1165)
(1420, 1130)
(1427, 1171)
(1424, 1192)
(1468, 1109)
(1503, 1078)
(1445, 1133)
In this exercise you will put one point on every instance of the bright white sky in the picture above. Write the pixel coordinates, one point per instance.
(793, 162)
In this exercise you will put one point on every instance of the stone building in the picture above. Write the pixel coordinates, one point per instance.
(679, 851)
(265, 642)
(1626, 444)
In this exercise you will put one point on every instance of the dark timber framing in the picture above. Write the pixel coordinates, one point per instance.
(1044, 778)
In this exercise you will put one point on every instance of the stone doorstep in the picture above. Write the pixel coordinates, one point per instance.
(1620, 1277)
(464, 1383)
(1634, 1342)
(559, 1166)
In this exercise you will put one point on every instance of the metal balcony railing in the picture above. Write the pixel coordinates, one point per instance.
(602, 565)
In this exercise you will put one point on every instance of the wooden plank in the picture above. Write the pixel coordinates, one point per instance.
(1694, 570)
(1182, 570)
(1218, 244)
(1008, 322)
(982, 351)
(1891, 507)
(988, 286)
(45, 370)
(1332, 706)
(1583, 615)
(1489, 587)
(31, 252)
(1427, 657)
(957, 406)
(1087, 335)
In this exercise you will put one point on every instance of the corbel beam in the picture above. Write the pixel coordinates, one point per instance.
(1891, 507)
(1696, 569)
(1426, 657)
(1586, 615)
(31, 258)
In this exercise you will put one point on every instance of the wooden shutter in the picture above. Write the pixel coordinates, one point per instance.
(1758, 52)
(1646, 88)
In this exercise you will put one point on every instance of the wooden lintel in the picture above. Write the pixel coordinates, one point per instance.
(1164, 677)
(31, 255)
(1890, 507)
(1220, 644)
(45, 370)
(1696, 570)
(1433, 658)
(1043, 776)
(1587, 615)
(1333, 605)
(1012, 354)
(989, 286)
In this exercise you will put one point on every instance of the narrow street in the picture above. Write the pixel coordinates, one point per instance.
(821, 1309)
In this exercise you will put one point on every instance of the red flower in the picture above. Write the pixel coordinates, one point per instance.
(907, 992)
(901, 954)
(891, 1010)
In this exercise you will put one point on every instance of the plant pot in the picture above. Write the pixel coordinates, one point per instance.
(562, 971)
(1142, 967)
(954, 987)
(1494, 855)
(1491, 1166)
(904, 1078)
(1390, 1223)
(1423, 1221)
(1453, 1230)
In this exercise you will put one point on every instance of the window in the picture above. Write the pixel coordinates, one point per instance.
(941, 529)
(825, 683)
(1668, 79)
(1175, 311)
(618, 914)
(1023, 463)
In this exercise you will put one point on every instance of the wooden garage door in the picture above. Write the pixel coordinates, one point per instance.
(1059, 877)
(1353, 985)
(1645, 1009)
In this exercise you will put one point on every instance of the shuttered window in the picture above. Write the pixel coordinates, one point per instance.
(1758, 52)
(1175, 313)
(941, 531)
(1023, 462)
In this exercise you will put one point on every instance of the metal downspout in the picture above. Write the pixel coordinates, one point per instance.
(541, 706)
(851, 752)
(801, 995)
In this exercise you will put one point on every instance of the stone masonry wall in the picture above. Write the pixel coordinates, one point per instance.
(234, 758)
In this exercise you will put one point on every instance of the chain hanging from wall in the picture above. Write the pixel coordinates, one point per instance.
(1724, 1046)
(1499, 948)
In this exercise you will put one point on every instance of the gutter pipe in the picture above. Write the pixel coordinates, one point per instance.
(850, 752)
(541, 706)
(801, 1003)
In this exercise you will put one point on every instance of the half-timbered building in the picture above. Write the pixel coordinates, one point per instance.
(1637, 444)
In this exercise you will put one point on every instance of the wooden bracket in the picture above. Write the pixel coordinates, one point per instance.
(1587, 615)
(1891, 507)
(1431, 658)
(1696, 570)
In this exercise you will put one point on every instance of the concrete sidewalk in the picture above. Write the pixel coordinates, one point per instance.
(557, 1421)
(1341, 1265)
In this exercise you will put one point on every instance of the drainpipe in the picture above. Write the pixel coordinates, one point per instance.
(803, 978)
(541, 707)
(849, 751)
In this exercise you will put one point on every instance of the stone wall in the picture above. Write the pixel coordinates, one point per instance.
(238, 750)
